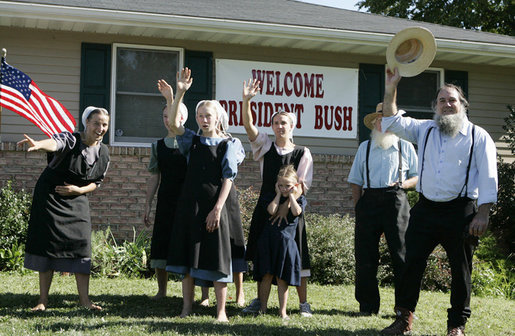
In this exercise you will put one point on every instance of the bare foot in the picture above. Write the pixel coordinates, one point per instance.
(39, 307)
(158, 296)
(91, 306)
(240, 301)
(204, 302)
(222, 318)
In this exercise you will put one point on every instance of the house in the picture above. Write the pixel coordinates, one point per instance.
(324, 64)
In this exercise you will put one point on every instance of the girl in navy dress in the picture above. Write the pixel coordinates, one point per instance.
(277, 255)
(200, 245)
(167, 169)
(272, 155)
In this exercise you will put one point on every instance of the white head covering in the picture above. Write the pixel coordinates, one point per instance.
(183, 110)
(292, 116)
(87, 112)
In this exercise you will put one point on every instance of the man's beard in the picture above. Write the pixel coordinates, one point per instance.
(450, 124)
(384, 140)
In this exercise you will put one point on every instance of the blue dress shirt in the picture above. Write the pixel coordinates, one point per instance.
(383, 164)
(446, 159)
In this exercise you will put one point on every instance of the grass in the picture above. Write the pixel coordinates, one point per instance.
(129, 311)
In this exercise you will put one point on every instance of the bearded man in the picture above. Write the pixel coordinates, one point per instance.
(384, 167)
(457, 173)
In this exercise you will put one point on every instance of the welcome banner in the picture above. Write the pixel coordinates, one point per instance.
(324, 99)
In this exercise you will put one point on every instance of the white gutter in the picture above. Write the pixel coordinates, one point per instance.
(74, 15)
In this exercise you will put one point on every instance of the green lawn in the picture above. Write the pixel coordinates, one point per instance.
(129, 311)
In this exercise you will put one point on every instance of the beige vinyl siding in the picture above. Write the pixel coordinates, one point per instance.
(52, 59)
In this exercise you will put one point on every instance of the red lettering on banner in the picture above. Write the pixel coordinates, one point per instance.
(320, 90)
(330, 117)
(318, 117)
(297, 84)
(287, 89)
(347, 118)
(328, 125)
(269, 110)
(269, 82)
(309, 85)
(260, 76)
(279, 90)
(337, 118)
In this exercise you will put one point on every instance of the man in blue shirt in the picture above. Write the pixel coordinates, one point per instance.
(457, 169)
(381, 206)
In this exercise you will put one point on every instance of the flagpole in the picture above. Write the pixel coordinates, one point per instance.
(4, 55)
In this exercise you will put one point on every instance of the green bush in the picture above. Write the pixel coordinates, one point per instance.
(14, 218)
(129, 258)
(331, 246)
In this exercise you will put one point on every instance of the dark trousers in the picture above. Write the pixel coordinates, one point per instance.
(444, 223)
(378, 211)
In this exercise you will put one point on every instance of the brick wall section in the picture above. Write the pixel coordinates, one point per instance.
(120, 201)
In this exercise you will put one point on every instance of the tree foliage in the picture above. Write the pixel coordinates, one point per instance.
(495, 16)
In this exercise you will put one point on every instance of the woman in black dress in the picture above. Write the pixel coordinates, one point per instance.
(167, 167)
(200, 246)
(272, 155)
(59, 232)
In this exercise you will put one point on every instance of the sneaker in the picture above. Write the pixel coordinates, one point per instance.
(253, 307)
(456, 331)
(305, 309)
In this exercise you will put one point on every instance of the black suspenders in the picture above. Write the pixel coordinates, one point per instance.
(398, 169)
(468, 166)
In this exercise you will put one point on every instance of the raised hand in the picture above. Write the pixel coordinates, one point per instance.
(251, 89)
(184, 79)
(165, 89)
(392, 77)
(33, 145)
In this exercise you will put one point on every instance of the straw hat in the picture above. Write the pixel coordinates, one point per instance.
(411, 50)
(370, 118)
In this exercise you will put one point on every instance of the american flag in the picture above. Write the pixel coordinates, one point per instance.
(20, 94)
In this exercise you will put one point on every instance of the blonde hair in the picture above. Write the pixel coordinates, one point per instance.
(221, 115)
(288, 172)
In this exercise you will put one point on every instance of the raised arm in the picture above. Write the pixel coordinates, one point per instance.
(249, 91)
(47, 145)
(390, 92)
(184, 81)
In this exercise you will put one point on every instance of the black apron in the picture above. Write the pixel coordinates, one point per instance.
(172, 167)
(272, 163)
(191, 245)
(60, 226)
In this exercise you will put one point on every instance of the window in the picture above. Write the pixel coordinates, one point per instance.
(415, 94)
(136, 102)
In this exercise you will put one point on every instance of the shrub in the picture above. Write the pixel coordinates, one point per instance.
(14, 218)
(331, 246)
(248, 199)
(112, 259)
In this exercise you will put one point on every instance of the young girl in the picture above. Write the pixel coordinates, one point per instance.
(272, 155)
(200, 245)
(277, 254)
(168, 168)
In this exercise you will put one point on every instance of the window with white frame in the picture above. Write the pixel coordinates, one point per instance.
(136, 102)
(415, 94)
